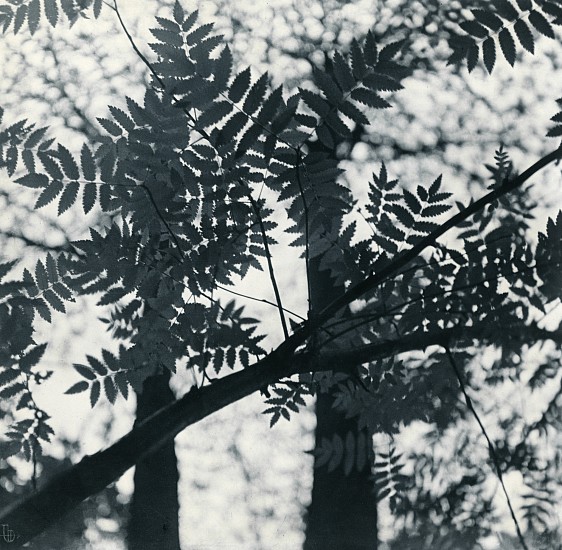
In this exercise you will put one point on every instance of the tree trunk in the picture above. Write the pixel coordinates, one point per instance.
(342, 514)
(153, 523)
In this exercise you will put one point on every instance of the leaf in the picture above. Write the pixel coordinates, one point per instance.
(110, 360)
(240, 86)
(68, 163)
(97, 8)
(179, 14)
(336, 123)
(89, 197)
(505, 9)
(51, 11)
(168, 37)
(540, 23)
(215, 113)
(52, 271)
(327, 85)
(487, 18)
(122, 384)
(34, 181)
(33, 15)
(555, 132)
(351, 111)
(315, 102)
(55, 302)
(255, 95)
(94, 393)
(84, 371)
(35, 137)
(122, 118)
(474, 29)
(8, 376)
(489, 53)
(525, 5)
(43, 309)
(79, 387)
(271, 105)
(402, 214)
(370, 51)
(435, 186)
(110, 389)
(199, 34)
(435, 210)
(472, 56)
(370, 98)
(6, 267)
(88, 164)
(68, 197)
(190, 20)
(412, 202)
(248, 139)
(233, 127)
(508, 46)
(390, 51)
(382, 82)
(553, 9)
(524, 35)
(97, 365)
(343, 73)
(223, 69)
(41, 276)
(20, 18)
(13, 390)
(110, 126)
(325, 136)
(113, 295)
(32, 357)
(51, 166)
(168, 24)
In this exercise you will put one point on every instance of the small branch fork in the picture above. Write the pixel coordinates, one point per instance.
(492, 450)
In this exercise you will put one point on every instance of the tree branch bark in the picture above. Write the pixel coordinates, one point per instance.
(32, 515)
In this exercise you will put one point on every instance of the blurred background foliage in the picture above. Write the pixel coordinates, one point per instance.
(242, 484)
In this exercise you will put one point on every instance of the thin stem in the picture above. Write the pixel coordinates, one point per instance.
(166, 224)
(137, 51)
(306, 229)
(270, 267)
(263, 300)
(491, 448)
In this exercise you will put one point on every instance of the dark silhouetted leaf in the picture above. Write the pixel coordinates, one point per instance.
(508, 46)
(489, 54)
(524, 35)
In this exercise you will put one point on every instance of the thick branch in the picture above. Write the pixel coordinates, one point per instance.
(34, 514)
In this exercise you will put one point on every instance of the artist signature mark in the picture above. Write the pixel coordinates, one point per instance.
(7, 534)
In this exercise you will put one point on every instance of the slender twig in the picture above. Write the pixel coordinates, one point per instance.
(163, 220)
(270, 267)
(492, 450)
(255, 299)
(135, 47)
(306, 230)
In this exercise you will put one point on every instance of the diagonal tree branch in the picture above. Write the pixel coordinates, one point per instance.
(32, 515)
(405, 257)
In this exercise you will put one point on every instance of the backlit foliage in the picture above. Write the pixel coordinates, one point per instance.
(181, 175)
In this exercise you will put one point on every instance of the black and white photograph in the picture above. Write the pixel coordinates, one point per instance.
(281, 274)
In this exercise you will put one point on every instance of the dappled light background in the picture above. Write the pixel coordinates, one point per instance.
(242, 484)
